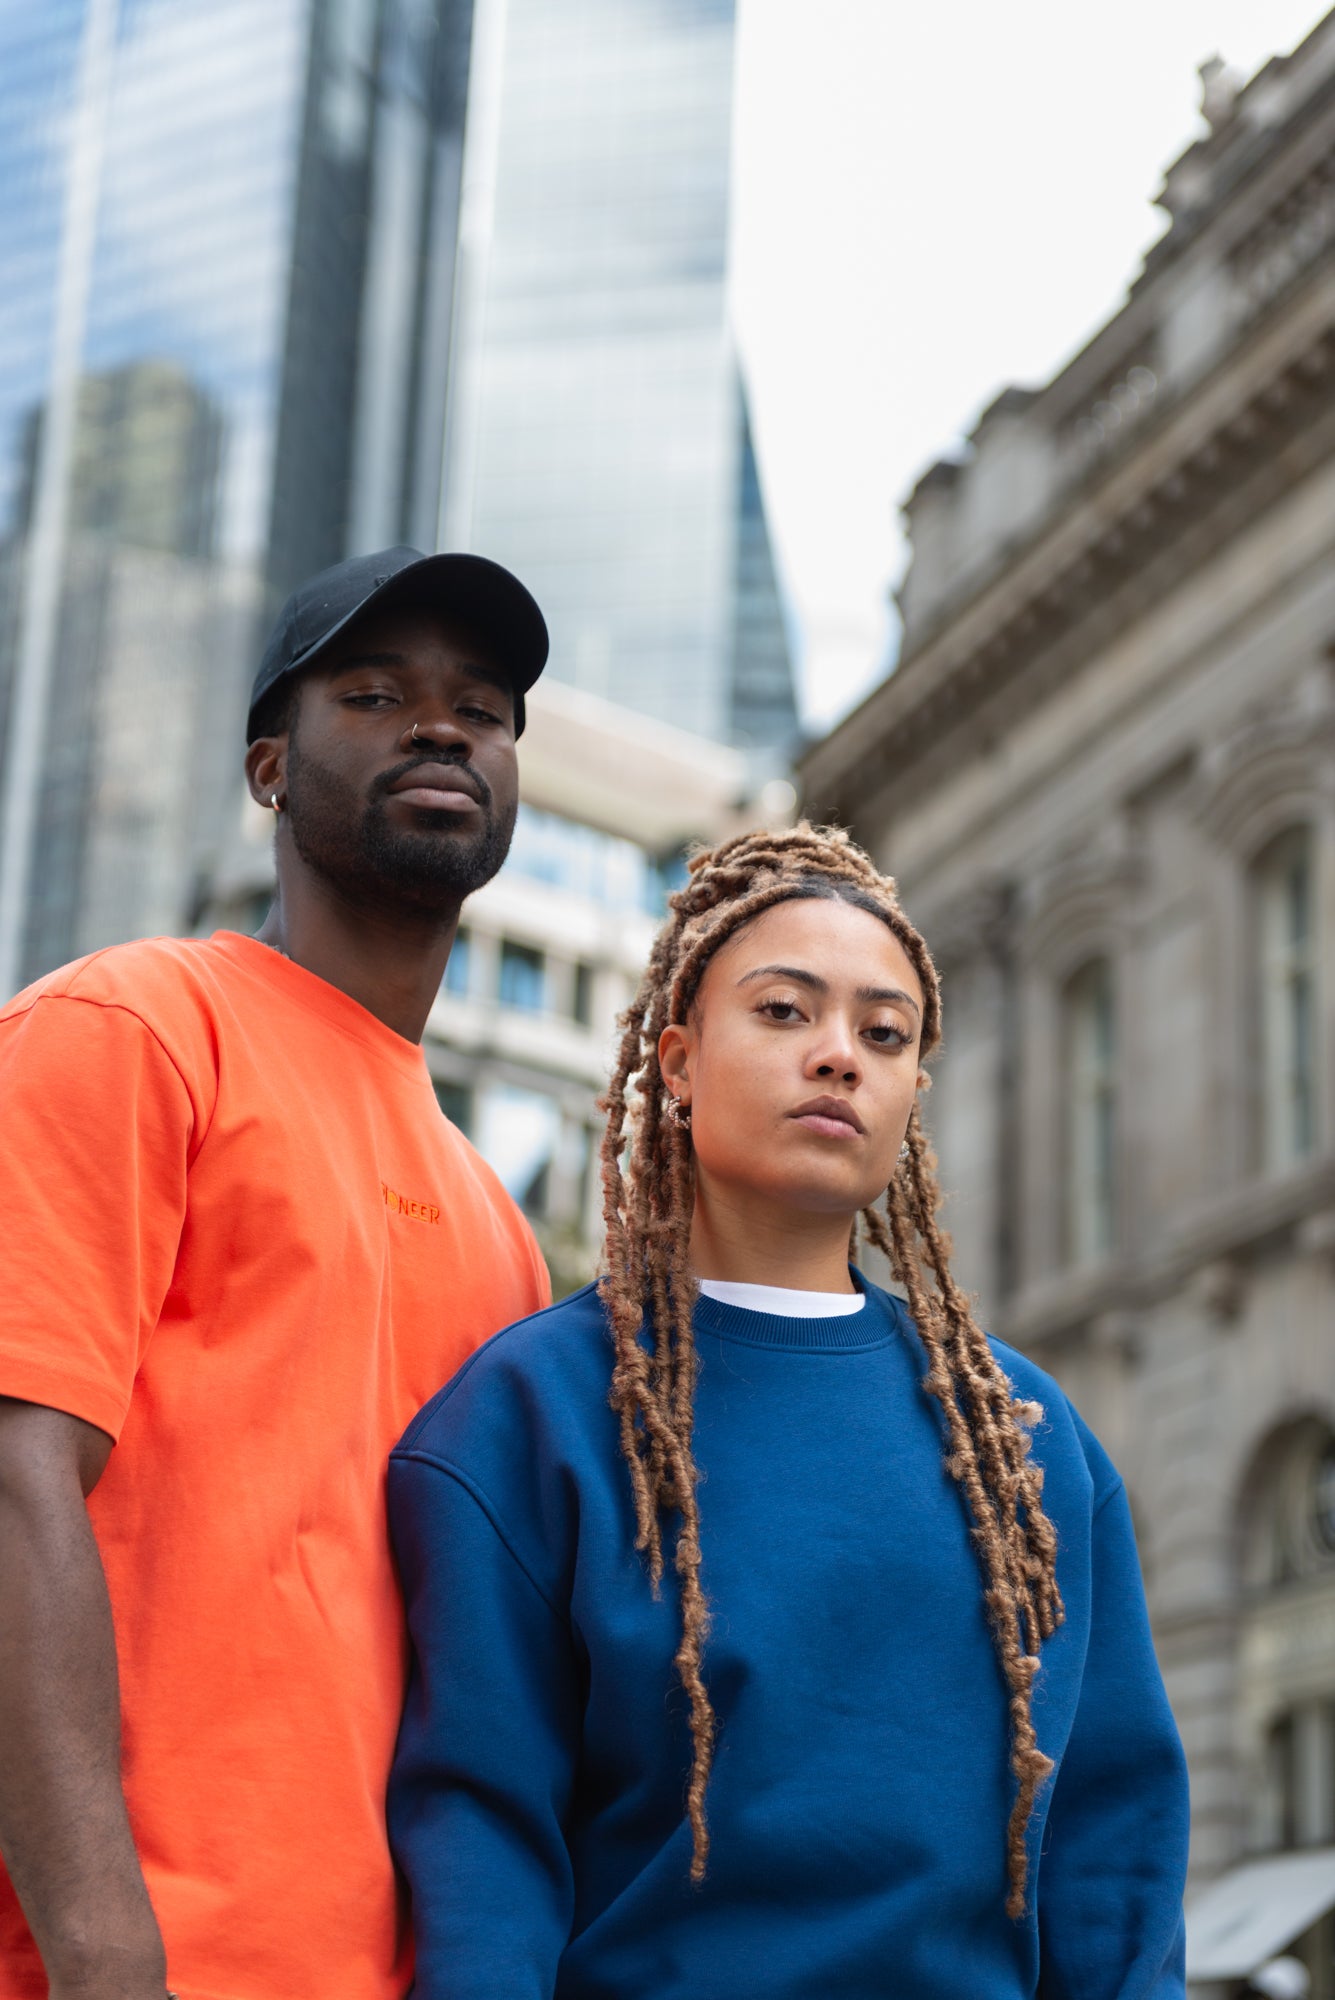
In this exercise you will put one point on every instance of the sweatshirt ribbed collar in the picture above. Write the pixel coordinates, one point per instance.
(847, 1333)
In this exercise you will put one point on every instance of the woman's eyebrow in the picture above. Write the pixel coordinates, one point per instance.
(895, 994)
(813, 980)
(793, 972)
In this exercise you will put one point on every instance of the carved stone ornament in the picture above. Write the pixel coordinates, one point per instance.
(1079, 905)
(1218, 1289)
(1269, 772)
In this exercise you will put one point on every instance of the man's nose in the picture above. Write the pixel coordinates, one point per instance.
(436, 730)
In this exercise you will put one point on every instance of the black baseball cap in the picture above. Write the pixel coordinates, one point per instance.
(493, 604)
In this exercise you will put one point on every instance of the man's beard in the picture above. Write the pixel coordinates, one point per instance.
(352, 842)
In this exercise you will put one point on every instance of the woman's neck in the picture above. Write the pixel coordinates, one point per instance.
(751, 1242)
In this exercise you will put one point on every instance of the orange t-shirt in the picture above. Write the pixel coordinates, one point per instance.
(240, 1236)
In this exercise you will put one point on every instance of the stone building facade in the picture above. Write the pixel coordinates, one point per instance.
(1104, 774)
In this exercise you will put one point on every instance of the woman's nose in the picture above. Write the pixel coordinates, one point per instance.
(836, 1055)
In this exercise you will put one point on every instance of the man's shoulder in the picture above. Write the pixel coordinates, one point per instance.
(143, 977)
(553, 1360)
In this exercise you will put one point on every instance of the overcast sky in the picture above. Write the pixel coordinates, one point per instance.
(930, 202)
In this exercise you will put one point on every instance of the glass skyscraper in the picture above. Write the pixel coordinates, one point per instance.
(228, 245)
(598, 437)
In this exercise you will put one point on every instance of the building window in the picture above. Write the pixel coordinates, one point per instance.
(598, 867)
(1090, 1102)
(519, 1131)
(1287, 1523)
(1287, 979)
(581, 999)
(1290, 1530)
(456, 1101)
(1296, 1802)
(523, 977)
(459, 965)
(255, 911)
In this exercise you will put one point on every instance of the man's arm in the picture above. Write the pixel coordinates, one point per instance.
(64, 1831)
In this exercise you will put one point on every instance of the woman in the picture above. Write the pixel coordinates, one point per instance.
(896, 1727)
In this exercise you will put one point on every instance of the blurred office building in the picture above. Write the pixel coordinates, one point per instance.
(1104, 774)
(228, 239)
(598, 432)
(521, 1039)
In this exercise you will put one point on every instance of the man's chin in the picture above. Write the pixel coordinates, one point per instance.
(440, 863)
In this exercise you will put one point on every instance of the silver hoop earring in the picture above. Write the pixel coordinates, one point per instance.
(905, 1154)
(278, 810)
(679, 1113)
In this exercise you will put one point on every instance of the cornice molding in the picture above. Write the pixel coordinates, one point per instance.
(1198, 475)
(1236, 1225)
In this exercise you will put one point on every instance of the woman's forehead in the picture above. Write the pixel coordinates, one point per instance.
(844, 944)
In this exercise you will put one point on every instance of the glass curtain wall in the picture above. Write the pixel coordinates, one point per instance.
(228, 238)
(598, 436)
(139, 378)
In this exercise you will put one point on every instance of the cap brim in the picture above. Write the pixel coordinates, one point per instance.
(480, 594)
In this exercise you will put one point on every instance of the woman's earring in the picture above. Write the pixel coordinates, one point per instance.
(679, 1113)
(905, 1154)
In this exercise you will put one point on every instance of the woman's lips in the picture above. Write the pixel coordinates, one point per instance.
(832, 1128)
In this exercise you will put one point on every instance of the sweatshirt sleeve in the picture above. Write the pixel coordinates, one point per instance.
(1115, 1846)
(484, 1769)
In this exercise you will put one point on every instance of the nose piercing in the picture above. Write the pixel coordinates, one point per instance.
(413, 737)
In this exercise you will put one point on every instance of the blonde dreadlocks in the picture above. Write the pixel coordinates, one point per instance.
(647, 1206)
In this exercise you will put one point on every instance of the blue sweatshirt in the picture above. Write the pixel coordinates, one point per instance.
(860, 1789)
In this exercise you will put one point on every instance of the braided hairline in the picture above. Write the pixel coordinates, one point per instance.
(647, 1206)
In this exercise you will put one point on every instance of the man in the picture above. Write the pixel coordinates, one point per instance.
(242, 1247)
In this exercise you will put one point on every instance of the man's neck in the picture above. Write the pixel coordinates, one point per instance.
(390, 961)
(750, 1240)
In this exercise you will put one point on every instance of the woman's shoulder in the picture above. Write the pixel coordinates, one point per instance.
(525, 1375)
(1059, 1430)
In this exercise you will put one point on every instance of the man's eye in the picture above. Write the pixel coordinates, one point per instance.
(480, 714)
(370, 699)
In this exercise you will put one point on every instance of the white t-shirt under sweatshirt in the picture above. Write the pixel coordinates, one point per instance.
(782, 1302)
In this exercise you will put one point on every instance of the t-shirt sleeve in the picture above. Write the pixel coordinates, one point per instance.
(1115, 1852)
(485, 1766)
(542, 1277)
(96, 1128)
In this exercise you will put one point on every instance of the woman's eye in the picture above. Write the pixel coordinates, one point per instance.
(886, 1035)
(781, 1010)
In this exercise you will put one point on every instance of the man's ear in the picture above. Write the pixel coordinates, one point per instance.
(676, 1046)
(266, 775)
